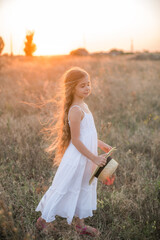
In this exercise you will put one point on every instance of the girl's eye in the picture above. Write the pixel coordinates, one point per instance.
(84, 85)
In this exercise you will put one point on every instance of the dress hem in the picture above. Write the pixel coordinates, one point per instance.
(67, 218)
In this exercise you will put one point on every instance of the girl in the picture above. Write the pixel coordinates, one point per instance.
(70, 194)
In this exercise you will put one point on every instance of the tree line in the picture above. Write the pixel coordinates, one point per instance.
(29, 48)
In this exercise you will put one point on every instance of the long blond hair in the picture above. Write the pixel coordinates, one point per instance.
(59, 130)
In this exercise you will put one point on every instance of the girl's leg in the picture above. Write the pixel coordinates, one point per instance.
(41, 224)
(43, 221)
(79, 222)
(85, 229)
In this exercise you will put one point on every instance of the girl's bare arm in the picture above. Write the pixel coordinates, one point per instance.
(104, 146)
(75, 119)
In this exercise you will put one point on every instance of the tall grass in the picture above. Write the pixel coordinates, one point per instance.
(124, 92)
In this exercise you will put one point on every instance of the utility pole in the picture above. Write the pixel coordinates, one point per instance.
(132, 49)
(11, 45)
(84, 40)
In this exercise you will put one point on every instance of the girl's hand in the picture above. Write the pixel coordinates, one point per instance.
(106, 148)
(100, 160)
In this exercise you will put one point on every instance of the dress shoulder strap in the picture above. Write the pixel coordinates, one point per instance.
(74, 106)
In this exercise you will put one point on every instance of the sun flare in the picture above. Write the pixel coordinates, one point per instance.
(61, 26)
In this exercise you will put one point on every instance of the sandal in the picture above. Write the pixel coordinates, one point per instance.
(87, 230)
(41, 225)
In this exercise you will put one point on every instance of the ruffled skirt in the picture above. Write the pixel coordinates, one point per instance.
(70, 193)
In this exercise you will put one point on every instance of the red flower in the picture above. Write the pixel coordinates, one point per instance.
(109, 181)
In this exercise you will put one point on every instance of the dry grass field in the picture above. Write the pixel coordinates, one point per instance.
(126, 93)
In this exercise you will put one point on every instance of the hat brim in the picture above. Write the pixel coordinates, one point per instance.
(109, 169)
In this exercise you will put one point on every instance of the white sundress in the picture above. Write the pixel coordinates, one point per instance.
(70, 193)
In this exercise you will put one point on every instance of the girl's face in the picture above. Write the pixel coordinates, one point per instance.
(83, 88)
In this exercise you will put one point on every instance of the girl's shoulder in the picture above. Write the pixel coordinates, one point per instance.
(74, 106)
(86, 111)
(84, 108)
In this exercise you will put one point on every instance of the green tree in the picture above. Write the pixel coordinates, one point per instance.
(79, 52)
(1, 45)
(30, 47)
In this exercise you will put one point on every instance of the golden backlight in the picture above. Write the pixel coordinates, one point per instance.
(63, 25)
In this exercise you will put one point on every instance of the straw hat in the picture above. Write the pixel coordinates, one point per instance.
(109, 169)
(102, 173)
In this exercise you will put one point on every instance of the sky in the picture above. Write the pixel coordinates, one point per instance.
(61, 26)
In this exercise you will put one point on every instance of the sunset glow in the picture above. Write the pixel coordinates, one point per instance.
(61, 26)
